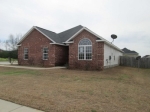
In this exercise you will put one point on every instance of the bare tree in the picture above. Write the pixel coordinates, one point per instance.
(11, 42)
(0, 44)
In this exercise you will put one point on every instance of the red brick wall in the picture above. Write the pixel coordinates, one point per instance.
(97, 61)
(61, 55)
(35, 42)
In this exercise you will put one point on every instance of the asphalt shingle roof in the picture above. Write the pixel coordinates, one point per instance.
(49, 34)
(65, 35)
(60, 37)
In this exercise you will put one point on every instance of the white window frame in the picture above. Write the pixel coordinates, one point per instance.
(43, 57)
(84, 49)
(26, 52)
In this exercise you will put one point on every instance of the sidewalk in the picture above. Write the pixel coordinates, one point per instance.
(6, 106)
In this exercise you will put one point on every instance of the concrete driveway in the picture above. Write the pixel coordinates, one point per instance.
(6, 106)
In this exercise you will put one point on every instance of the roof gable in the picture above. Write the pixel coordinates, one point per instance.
(51, 35)
(54, 37)
(38, 29)
(66, 36)
(99, 38)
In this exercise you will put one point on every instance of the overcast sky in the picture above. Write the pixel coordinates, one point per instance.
(128, 19)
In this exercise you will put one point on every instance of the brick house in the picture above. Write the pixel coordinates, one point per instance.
(78, 47)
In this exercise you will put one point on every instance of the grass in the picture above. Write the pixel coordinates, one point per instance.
(3, 59)
(6, 59)
(18, 72)
(116, 89)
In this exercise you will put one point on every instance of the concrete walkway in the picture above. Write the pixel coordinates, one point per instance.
(6, 106)
(33, 68)
(15, 65)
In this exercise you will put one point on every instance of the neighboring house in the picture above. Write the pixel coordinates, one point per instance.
(129, 53)
(146, 56)
(78, 47)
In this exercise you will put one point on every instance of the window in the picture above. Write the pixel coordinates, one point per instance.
(85, 49)
(25, 53)
(109, 57)
(45, 53)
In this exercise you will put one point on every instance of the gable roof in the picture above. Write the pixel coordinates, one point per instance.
(46, 33)
(54, 37)
(129, 51)
(49, 34)
(66, 36)
(99, 38)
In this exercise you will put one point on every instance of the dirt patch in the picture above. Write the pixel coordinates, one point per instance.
(118, 89)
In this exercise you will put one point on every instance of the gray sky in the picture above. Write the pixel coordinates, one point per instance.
(128, 19)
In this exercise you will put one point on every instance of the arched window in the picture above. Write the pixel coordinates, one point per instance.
(85, 49)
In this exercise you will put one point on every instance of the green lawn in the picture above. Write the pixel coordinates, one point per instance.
(3, 59)
(6, 59)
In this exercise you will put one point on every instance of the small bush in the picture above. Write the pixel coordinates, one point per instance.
(11, 54)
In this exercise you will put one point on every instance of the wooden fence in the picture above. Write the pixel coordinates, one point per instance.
(132, 62)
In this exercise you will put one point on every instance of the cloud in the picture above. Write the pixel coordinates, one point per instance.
(128, 19)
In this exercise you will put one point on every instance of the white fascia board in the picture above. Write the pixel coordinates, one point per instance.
(131, 53)
(84, 28)
(45, 35)
(69, 42)
(75, 35)
(109, 44)
(114, 47)
(30, 32)
(93, 33)
(26, 35)
(105, 41)
(19, 45)
(100, 40)
(57, 44)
